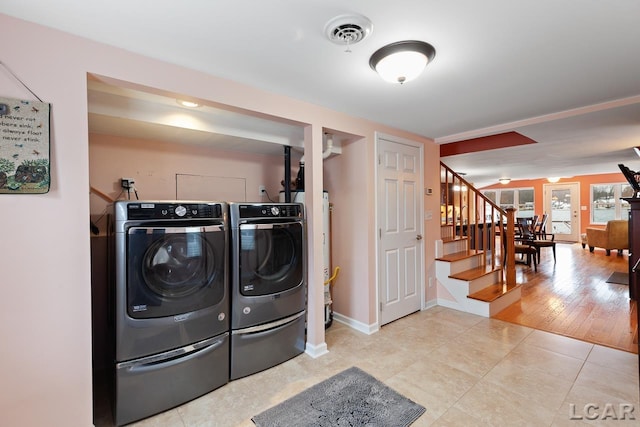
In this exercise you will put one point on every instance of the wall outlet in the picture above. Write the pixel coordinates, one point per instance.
(262, 189)
(126, 183)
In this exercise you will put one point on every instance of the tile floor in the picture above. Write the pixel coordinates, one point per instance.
(466, 370)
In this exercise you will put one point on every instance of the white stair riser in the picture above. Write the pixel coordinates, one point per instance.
(465, 264)
(484, 281)
(454, 246)
(460, 289)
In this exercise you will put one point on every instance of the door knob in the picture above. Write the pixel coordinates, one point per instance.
(419, 237)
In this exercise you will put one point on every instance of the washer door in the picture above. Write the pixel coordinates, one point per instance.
(174, 270)
(271, 258)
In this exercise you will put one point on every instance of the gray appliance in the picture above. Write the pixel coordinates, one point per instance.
(170, 299)
(268, 285)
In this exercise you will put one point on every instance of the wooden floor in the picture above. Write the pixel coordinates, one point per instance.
(572, 297)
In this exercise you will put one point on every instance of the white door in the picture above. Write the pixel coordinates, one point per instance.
(562, 204)
(400, 248)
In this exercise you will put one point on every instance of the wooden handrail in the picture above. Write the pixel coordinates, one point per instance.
(466, 213)
(102, 195)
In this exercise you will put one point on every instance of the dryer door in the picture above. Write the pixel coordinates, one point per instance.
(175, 270)
(271, 258)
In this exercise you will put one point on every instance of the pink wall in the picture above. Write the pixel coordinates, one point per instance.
(154, 165)
(431, 206)
(45, 310)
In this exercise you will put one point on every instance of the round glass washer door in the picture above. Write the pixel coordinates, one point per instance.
(271, 258)
(178, 265)
(175, 270)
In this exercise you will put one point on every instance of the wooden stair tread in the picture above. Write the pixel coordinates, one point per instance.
(493, 292)
(454, 239)
(456, 256)
(475, 273)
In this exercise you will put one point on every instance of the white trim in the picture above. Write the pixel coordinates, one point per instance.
(430, 304)
(354, 324)
(506, 127)
(316, 351)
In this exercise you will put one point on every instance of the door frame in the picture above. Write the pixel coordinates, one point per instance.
(420, 202)
(575, 204)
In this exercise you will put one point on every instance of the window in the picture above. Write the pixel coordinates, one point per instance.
(519, 198)
(606, 204)
(525, 202)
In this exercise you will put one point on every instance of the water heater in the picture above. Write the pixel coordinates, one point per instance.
(299, 197)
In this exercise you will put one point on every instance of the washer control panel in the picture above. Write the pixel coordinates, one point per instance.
(162, 210)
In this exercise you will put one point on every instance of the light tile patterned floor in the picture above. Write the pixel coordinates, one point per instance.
(466, 370)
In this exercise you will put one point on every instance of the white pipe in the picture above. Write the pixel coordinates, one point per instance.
(327, 152)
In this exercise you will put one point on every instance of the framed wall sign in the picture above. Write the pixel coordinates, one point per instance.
(24, 146)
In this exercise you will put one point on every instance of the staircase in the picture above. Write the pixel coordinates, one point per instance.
(470, 272)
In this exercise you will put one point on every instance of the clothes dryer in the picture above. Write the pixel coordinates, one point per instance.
(268, 285)
(170, 304)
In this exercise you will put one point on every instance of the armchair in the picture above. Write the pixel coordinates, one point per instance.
(615, 235)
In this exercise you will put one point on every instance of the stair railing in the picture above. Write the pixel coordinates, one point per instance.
(468, 215)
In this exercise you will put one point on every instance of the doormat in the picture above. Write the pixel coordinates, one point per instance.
(350, 398)
(619, 278)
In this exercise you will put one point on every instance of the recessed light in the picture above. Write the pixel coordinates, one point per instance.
(188, 104)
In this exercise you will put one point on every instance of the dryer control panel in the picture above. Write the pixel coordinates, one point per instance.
(275, 210)
(153, 210)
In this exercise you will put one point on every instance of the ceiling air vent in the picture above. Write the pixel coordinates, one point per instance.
(348, 29)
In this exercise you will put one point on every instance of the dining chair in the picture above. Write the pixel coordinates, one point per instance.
(544, 243)
(523, 248)
(541, 228)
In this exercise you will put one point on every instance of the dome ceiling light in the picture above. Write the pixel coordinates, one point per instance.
(403, 61)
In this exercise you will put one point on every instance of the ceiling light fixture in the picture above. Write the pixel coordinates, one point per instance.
(189, 104)
(504, 181)
(553, 179)
(403, 61)
(637, 150)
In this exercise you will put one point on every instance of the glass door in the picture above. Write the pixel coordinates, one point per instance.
(562, 204)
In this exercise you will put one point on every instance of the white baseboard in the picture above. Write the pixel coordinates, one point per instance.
(358, 326)
(430, 304)
(316, 351)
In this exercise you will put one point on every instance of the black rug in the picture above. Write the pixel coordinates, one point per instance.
(350, 398)
(619, 278)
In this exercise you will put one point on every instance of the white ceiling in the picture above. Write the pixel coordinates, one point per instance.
(566, 74)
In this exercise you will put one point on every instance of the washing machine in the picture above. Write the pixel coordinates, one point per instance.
(268, 285)
(170, 299)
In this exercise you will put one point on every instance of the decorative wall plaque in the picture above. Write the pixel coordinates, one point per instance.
(24, 146)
